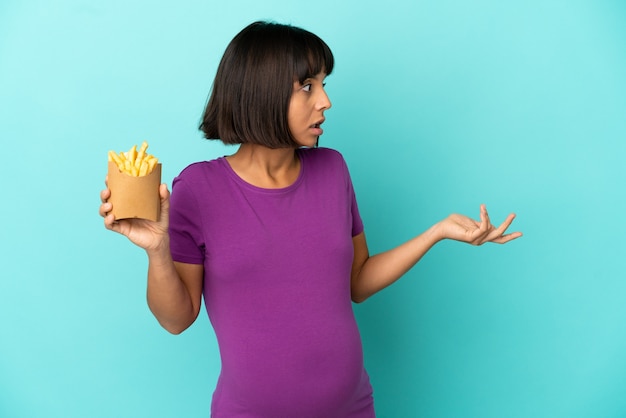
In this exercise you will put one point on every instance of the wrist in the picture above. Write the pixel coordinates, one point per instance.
(161, 251)
(436, 233)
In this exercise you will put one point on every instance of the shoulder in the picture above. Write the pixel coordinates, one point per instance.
(322, 156)
(197, 182)
(325, 166)
(199, 171)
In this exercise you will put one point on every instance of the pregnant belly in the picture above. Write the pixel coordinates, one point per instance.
(295, 368)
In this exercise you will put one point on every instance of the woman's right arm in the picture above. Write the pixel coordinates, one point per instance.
(174, 289)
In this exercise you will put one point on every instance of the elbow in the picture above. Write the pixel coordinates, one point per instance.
(175, 326)
(358, 293)
(174, 329)
(358, 297)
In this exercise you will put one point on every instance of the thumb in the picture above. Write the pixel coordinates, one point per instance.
(164, 193)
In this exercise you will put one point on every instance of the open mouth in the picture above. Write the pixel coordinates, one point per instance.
(318, 124)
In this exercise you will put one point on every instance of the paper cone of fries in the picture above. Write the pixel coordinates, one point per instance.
(135, 197)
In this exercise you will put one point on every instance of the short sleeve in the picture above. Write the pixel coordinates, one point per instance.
(357, 222)
(185, 226)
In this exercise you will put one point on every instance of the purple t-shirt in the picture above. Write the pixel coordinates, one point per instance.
(277, 266)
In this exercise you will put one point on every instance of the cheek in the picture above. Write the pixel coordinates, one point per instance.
(295, 117)
(291, 122)
(291, 114)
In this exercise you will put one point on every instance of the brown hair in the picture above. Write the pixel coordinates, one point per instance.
(250, 96)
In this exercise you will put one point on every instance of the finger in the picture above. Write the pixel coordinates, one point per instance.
(121, 226)
(483, 208)
(482, 216)
(499, 235)
(499, 232)
(105, 208)
(483, 228)
(105, 195)
(505, 225)
(507, 238)
(109, 222)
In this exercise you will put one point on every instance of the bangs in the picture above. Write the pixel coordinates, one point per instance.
(311, 57)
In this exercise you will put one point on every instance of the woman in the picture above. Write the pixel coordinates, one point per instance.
(271, 237)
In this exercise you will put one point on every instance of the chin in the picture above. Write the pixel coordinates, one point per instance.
(308, 144)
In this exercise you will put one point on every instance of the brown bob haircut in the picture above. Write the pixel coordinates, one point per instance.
(250, 96)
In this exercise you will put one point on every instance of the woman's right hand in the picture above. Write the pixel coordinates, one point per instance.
(146, 234)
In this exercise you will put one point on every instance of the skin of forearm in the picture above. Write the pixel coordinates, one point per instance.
(383, 269)
(168, 297)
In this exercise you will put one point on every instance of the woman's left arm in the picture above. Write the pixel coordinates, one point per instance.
(371, 274)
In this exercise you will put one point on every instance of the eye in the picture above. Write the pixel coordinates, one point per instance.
(306, 87)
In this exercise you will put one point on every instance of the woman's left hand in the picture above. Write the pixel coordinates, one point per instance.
(462, 228)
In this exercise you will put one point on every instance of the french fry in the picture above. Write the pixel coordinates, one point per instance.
(152, 161)
(136, 163)
(141, 154)
(128, 167)
(116, 159)
(132, 155)
(143, 170)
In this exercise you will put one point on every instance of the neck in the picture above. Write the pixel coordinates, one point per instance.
(265, 167)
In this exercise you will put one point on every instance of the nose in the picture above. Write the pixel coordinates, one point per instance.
(323, 102)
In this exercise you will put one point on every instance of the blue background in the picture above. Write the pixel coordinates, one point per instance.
(438, 106)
